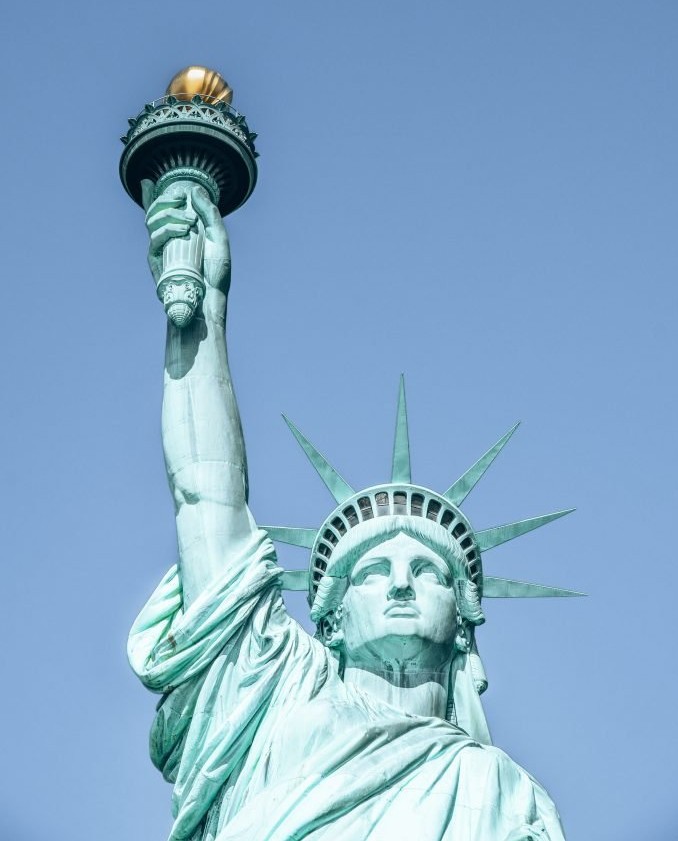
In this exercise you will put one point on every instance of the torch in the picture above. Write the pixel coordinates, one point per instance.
(191, 136)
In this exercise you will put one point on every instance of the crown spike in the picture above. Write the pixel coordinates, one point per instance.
(295, 537)
(489, 538)
(294, 579)
(401, 470)
(458, 492)
(336, 485)
(506, 588)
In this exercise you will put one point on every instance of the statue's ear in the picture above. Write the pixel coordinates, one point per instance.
(147, 193)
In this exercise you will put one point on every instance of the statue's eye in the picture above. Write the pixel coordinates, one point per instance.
(429, 570)
(378, 568)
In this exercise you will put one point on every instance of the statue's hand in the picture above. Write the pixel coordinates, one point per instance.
(217, 260)
(167, 218)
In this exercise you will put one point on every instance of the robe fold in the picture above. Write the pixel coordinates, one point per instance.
(264, 742)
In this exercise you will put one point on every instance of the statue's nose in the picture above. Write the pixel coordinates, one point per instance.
(401, 586)
(401, 592)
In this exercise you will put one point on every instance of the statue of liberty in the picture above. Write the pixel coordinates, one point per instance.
(374, 727)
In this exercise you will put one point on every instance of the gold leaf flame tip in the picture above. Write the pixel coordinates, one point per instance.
(208, 84)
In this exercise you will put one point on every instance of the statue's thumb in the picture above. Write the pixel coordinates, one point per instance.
(203, 207)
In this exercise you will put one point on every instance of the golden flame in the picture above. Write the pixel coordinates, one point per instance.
(207, 83)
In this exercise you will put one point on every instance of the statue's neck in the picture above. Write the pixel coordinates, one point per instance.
(412, 692)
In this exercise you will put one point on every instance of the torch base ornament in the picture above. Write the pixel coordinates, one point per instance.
(181, 296)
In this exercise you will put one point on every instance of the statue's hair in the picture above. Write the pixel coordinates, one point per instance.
(366, 535)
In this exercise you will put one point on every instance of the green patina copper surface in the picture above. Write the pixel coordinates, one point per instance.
(401, 471)
(374, 727)
(458, 492)
(334, 483)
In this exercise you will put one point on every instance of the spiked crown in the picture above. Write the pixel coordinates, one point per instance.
(401, 497)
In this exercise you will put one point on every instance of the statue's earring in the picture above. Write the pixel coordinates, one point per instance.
(331, 628)
(332, 636)
(337, 616)
(462, 642)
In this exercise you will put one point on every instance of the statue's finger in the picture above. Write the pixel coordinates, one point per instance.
(166, 233)
(161, 203)
(170, 216)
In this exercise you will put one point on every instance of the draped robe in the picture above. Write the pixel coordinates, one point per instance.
(264, 742)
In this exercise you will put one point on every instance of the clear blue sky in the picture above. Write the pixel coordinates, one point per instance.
(482, 195)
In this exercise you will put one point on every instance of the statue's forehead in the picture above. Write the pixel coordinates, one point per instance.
(401, 546)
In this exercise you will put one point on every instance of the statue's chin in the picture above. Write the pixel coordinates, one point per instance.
(401, 650)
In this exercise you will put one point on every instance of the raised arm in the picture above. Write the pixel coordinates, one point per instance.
(201, 430)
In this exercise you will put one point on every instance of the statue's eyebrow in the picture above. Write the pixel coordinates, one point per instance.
(433, 561)
(437, 564)
(365, 564)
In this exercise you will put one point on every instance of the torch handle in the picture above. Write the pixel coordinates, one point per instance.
(181, 286)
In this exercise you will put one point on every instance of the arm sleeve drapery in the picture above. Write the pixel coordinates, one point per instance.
(218, 666)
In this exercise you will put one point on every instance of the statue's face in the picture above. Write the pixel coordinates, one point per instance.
(399, 609)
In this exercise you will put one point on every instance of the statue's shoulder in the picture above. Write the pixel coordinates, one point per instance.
(490, 782)
(495, 766)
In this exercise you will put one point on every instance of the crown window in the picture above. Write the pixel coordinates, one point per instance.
(365, 505)
(382, 503)
(433, 509)
(447, 518)
(339, 525)
(351, 516)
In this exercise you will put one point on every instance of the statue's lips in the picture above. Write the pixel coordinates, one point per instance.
(401, 610)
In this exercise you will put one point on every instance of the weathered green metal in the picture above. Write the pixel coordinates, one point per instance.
(458, 492)
(212, 138)
(506, 588)
(401, 470)
(294, 536)
(358, 507)
(374, 728)
(175, 144)
(335, 484)
(489, 538)
(294, 580)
